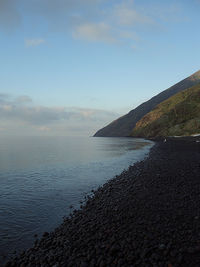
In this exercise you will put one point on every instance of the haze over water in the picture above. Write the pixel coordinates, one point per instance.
(40, 177)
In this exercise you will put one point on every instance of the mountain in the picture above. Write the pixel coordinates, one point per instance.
(177, 116)
(125, 124)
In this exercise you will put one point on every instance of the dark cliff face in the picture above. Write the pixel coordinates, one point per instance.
(125, 124)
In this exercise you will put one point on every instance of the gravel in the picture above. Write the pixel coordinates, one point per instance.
(148, 215)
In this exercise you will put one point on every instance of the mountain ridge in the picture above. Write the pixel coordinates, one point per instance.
(124, 125)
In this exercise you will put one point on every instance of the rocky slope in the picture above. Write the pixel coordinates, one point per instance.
(125, 124)
(178, 115)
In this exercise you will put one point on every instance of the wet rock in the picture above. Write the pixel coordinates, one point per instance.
(161, 246)
(45, 234)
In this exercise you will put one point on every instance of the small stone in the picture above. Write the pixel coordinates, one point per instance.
(102, 264)
(92, 263)
(113, 250)
(161, 247)
(84, 264)
(154, 256)
(173, 253)
(180, 258)
(190, 250)
(45, 234)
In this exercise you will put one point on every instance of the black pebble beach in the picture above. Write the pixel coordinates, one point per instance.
(147, 216)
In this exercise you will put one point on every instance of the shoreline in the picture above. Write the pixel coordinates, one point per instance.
(146, 216)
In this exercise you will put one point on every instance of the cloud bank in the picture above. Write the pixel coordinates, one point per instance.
(19, 116)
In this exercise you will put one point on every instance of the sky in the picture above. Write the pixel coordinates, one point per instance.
(69, 67)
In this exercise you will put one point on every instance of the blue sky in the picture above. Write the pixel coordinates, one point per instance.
(71, 66)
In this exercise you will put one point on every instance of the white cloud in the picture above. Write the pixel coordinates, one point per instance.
(94, 32)
(34, 42)
(23, 117)
(126, 14)
(7, 108)
(117, 23)
(129, 35)
(91, 20)
(23, 99)
(44, 129)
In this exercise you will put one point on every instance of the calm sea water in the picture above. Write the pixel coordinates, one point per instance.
(40, 177)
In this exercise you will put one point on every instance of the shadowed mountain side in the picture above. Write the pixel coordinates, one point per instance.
(177, 116)
(125, 124)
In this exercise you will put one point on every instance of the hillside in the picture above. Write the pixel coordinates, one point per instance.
(177, 116)
(125, 124)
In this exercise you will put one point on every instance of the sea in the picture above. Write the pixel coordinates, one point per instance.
(42, 179)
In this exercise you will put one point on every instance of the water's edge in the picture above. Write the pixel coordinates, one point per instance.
(82, 199)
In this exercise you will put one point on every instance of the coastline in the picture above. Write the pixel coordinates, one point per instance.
(146, 216)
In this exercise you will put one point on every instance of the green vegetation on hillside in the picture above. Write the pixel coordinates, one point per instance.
(179, 115)
(124, 125)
